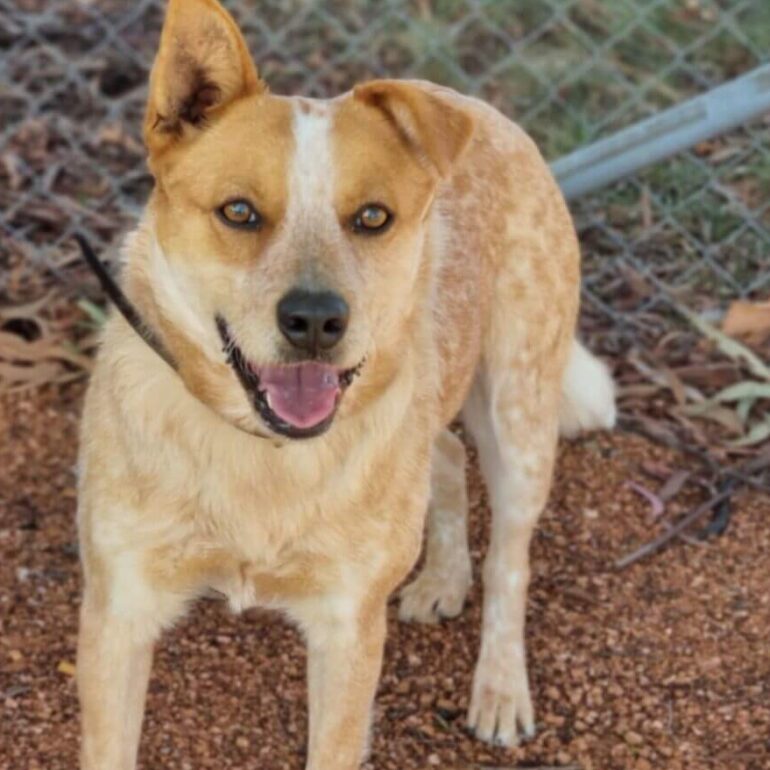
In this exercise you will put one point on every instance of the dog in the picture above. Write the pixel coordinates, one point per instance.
(334, 281)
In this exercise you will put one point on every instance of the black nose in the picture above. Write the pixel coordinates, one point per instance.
(313, 321)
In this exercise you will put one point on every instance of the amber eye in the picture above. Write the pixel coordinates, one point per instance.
(240, 213)
(372, 218)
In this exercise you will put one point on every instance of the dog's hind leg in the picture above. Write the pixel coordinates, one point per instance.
(442, 585)
(512, 413)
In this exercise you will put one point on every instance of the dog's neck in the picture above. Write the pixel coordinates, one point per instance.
(144, 317)
(126, 308)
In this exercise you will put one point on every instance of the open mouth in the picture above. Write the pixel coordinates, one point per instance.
(297, 400)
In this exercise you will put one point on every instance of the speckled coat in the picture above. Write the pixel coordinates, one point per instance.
(467, 304)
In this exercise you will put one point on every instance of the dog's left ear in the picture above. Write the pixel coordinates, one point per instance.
(436, 129)
(202, 65)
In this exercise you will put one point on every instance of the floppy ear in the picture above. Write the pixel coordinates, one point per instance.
(202, 65)
(434, 128)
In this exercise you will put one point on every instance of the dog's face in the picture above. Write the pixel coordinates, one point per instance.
(289, 233)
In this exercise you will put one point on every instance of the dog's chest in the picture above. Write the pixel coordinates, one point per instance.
(271, 550)
(257, 571)
(269, 525)
(258, 584)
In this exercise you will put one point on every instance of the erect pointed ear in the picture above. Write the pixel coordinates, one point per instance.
(435, 128)
(202, 65)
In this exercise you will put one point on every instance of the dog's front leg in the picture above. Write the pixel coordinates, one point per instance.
(345, 642)
(119, 621)
(113, 669)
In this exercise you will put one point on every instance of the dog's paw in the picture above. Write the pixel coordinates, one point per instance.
(433, 596)
(500, 705)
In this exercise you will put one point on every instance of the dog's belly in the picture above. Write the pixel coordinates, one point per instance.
(458, 363)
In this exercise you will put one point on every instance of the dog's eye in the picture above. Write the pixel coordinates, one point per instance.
(240, 213)
(371, 218)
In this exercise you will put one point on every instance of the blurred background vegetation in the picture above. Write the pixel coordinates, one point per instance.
(691, 233)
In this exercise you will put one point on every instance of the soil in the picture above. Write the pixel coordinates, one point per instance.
(663, 665)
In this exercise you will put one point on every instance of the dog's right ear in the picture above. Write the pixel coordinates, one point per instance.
(434, 128)
(202, 65)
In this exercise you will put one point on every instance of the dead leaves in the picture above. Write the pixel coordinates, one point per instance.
(742, 396)
(717, 390)
(34, 350)
(734, 350)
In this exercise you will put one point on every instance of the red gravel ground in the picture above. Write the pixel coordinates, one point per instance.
(665, 665)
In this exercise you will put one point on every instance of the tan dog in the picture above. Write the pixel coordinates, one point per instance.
(335, 280)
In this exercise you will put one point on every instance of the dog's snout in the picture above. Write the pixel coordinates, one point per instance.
(311, 320)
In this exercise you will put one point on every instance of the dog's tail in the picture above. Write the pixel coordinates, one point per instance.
(587, 394)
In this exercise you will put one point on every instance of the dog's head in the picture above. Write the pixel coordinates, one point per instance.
(288, 246)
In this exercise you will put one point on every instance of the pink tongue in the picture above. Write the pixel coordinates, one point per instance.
(304, 394)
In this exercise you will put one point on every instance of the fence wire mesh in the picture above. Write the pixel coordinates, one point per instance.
(73, 85)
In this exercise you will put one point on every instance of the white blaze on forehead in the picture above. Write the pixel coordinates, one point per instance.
(311, 181)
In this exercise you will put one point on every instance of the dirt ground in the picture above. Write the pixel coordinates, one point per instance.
(665, 665)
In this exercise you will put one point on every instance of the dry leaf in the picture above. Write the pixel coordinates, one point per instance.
(115, 133)
(725, 417)
(748, 319)
(65, 667)
(18, 351)
(19, 377)
(673, 485)
(637, 283)
(646, 208)
(729, 346)
(756, 435)
(662, 375)
(693, 429)
(747, 389)
(12, 163)
(676, 385)
(637, 390)
(709, 376)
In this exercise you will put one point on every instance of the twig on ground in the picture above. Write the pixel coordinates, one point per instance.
(656, 504)
(722, 514)
(646, 427)
(742, 473)
(758, 463)
(732, 479)
(655, 545)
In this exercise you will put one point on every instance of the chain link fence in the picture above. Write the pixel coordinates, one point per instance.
(73, 84)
